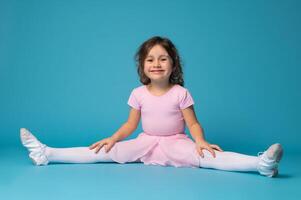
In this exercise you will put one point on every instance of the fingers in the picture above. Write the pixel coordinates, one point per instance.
(97, 146)
(93, 145)
(211, 151)
(214, 146)
(109, 146)
(199, 150)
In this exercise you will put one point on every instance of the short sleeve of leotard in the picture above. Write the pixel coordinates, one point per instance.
(133, 101)
(186, 100)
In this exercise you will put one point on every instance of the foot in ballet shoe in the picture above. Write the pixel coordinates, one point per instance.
(34, 146)
(269, 160)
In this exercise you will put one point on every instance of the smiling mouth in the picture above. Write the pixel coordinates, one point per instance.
(157, 70)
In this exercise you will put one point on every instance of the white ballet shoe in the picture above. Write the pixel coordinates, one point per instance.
(269, 160)
(34, 146)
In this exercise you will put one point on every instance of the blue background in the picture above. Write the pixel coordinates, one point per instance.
(67, 69)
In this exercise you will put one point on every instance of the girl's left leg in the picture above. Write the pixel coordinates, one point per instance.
(266, 163)
(229, 161)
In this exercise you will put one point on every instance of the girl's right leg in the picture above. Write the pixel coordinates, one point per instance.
(266, 164)
(42, 154)
(76, 155)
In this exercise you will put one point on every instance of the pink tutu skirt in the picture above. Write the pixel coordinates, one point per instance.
(175, 150)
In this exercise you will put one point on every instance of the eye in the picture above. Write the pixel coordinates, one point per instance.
(149, 60)
(163, 59)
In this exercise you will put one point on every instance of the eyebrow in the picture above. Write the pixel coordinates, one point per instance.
(159, 56)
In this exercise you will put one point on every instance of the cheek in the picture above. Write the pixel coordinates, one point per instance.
(146, 66)
(145, 69)
(169, 65)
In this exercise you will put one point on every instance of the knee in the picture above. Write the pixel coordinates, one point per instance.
(208, 154)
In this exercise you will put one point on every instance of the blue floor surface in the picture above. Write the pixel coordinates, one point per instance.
(22, 180)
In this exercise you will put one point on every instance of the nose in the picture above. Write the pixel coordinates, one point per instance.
(157, 63)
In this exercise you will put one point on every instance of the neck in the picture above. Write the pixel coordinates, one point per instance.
(160, 85)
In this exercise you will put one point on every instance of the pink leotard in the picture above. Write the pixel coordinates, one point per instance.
(163, 140)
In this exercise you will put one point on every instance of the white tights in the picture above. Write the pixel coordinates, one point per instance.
(76, 155)
(229, 161)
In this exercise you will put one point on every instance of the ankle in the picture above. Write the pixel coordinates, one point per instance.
(48, 152)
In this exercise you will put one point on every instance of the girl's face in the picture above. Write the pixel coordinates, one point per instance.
(158, 64)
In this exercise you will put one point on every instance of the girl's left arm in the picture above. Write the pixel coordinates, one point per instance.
(197, 132)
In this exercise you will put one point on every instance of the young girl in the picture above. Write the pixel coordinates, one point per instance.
(164, 106)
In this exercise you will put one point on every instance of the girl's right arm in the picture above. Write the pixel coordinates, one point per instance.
(124, 131)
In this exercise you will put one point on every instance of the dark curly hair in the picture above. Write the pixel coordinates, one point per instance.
(176, 76)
